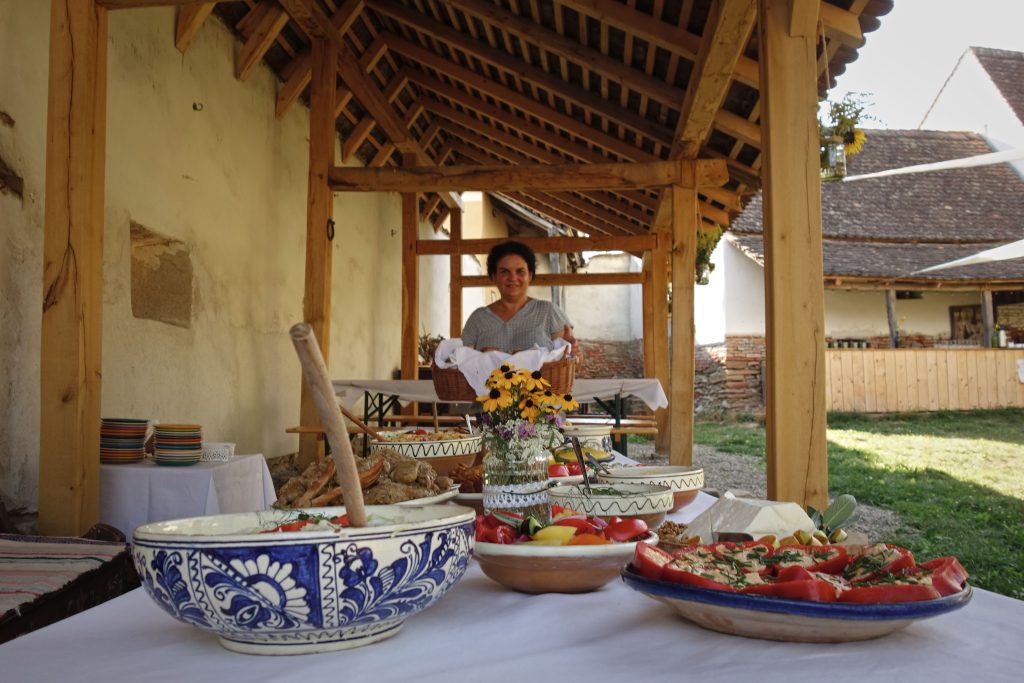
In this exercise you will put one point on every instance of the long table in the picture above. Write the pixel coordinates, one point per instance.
(136, 493)
(481, 631)
(382, 396)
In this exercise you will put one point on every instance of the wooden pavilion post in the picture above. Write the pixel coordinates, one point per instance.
(71, 341)
(410, 280)
(647, 297)
(794, 285)
(659, 318)
(890, 316)
(988, 319)
(455, 271)
(685, 219)
(316, 303)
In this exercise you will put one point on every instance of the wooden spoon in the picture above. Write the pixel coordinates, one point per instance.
(315, 371)
(369, 477)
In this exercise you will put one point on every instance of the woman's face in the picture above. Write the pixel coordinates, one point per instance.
(512, 277)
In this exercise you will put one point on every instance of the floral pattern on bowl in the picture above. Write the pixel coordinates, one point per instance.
(304, 591)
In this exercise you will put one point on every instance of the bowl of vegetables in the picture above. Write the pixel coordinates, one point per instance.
(649, 502)
(573, 554)
(301, 581)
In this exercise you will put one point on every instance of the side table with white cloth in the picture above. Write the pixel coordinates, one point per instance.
(138, 493)
(381, 396)
(612, 634)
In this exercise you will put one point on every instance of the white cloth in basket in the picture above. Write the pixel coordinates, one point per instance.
(476, 366)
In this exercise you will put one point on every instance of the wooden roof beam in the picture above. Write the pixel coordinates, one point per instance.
(133, 4)
(301, 68)
(554, 214)
(541, 245)
(514, 98)
(313, 20)
(691, 173)
(546, 40)
(556, 279)
(190, 19)
(674, 39)
(842, 25)
(264, 33)
(728, 31)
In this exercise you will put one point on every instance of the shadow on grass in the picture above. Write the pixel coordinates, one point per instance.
(947, 516)
(1004, 425)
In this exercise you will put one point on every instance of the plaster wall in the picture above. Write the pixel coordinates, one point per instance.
(858, 314)
(198, 156)
(606, 312)
(744, 305)
(971, 101)
(709, 300)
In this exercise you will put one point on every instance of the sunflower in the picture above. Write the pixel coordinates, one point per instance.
(853, 142)
(495, 399)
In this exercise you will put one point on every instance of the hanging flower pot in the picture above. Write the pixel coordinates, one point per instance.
(833, 157)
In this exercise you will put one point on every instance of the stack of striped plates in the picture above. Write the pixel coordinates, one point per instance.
(122, 440)
(178, 444)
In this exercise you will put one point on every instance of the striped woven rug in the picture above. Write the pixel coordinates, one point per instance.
(31, 566)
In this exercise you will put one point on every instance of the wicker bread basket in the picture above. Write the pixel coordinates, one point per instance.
(451, 385)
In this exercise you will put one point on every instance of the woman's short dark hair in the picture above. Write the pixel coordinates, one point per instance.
(504, 249)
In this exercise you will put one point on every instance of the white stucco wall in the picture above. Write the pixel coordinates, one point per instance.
(709, 300)
(744, 304)
(606, 312)
(230, 181)
(857, 314)
(969, 100)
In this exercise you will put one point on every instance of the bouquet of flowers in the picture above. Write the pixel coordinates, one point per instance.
(521, 413)
(522, 420)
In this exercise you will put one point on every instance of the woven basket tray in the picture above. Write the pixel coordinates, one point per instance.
(451, 385)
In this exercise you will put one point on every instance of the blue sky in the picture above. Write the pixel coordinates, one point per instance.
(905, 62)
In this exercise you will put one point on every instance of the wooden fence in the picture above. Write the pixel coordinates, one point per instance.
(900, 380)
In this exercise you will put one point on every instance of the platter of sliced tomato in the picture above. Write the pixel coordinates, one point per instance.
(739, 589)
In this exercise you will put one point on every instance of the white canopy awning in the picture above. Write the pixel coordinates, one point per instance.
(1007, 251)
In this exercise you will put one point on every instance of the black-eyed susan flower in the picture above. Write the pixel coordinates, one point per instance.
(528, 409)
(496, 399)
(569, 403)
(535, 381)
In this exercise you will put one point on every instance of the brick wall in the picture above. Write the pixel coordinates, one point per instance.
(728, 376)
(611, 359)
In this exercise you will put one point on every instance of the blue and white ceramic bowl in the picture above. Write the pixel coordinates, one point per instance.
(304, 591)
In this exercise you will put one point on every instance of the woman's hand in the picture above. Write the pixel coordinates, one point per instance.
(566, 334)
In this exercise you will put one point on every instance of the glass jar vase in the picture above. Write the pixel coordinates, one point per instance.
(517, 482)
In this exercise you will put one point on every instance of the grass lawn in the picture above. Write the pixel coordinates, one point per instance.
(954, 477)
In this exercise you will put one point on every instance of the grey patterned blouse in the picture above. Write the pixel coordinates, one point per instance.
(533, 324)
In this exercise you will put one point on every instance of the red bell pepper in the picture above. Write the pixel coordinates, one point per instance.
(806, 589)
(947, 574)
(889, 592)
(582, 525)
(626, 529)
(830, 559)
(879, 560)
(649, 561)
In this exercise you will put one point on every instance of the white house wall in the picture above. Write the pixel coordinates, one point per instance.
(606, 312)
(971, 101)
(861, 314)
(744, 305)
(709, 300)
(198, 156)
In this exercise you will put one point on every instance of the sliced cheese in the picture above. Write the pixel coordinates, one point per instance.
(750, 516)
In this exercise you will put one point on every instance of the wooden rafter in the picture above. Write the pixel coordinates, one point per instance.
(190, 19)
(688, 173)
(264, 33)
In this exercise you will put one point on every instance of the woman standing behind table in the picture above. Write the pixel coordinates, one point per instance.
(515, 321)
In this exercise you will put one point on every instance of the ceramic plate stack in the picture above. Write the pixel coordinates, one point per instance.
(178, 444)
(122, 440)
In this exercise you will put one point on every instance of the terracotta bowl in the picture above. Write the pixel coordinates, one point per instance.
(649, 502)
(685, 482)
(554, 569)
(303, 591)
(471, 500)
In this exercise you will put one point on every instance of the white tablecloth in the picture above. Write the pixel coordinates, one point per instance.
(481, 631)
(649, 391)
(137, 493)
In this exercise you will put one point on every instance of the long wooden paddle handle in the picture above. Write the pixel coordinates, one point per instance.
(359, 423)
(315, 370)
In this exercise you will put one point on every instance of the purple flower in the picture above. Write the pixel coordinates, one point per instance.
(526, 430)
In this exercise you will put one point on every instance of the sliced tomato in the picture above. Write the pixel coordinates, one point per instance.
(948, 575)
(558, 470)
(626, 529)
(340, 520)
(588, 539)
(649, 561)
(878, 560)
(693, 574)
(750, 556)
(582, 525)
(831, 559)
(421, 432)
(794, 572)
(500, 534)
(290, 526)
(574, 469)
(889, 592)
(806, 589)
